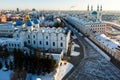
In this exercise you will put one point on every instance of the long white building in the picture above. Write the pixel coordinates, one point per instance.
(44, 38)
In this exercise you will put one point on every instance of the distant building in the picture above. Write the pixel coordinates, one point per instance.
(17, 10)
(90, 23)
(6, 30)
(3, 18)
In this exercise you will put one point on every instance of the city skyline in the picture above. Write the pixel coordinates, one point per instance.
(59, 4)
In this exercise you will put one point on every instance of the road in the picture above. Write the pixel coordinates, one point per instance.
(93, 66)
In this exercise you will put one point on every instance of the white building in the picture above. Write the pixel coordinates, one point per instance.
(6, 30)
(45, 38)
(31, 35)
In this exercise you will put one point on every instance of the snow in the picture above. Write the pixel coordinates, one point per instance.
(111, 44)
(98, 49)
(83, 21)
(38, 77)
(63, 69)
(74, 37)
(76, 45)
(5, 75)
(55, 56)
(73, 53)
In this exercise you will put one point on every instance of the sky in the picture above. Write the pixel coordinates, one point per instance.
(59, 4)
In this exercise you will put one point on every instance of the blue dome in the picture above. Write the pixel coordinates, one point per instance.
(94, 12)
(29, 23)
(36, 21)
(19, 22)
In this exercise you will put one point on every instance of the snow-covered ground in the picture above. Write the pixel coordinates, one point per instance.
(5, 75)
(63, 68)
(73, 53)
(45, 77)
(74, 37)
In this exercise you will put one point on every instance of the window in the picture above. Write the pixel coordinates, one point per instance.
(61, 38)
(28, 36)
(15, 45)
(9, 44)
(61, 44)
(46, 37)
(33, 36)
(12, 45)
(18, 45)
(28, 41)
(40, 42)
(53, 43)
(46, 43)
(34, 42)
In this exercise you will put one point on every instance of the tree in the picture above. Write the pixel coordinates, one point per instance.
(0, 65)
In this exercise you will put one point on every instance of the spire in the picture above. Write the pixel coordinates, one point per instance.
(97, 7)
(91, 8)
(88, 8)
(101, 8)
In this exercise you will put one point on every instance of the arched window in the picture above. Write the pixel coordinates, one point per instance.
(33, 36)
(34, 42)
(46, 37)
(61, 38)
(53, 43)
(28, 36)
(40, 42)
(28, 41)
(61, 44)
(46, 42)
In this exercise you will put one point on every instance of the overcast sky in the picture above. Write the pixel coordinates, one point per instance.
(59, 4)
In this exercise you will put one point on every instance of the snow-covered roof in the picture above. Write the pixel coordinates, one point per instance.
(6, 26)
(52, 30)
(85, 22)
(111, 44)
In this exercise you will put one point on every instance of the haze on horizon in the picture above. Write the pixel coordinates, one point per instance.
(59, 4)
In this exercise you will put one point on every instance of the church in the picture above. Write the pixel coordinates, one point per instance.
(31, 35)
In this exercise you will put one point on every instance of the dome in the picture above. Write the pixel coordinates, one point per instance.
(19, 23)
(94, 12)
(29, 23)
(36, 21)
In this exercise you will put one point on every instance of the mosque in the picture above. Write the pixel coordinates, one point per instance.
(94, 15)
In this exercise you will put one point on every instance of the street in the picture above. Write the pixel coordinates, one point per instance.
(93, 65)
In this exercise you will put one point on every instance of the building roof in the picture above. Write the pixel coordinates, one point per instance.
(19, 22)
(29, 23)
(36, 21)
(111, 44)
(94, 12)
(6, 26)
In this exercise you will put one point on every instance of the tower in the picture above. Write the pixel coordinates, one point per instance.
(91, 8)
(27, 17)
(100, 13)
(98, 8)
(88, 8)
(101, 8)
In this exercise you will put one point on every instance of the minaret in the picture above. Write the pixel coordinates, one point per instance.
(88, 8)
(101, 8)
(91, 8)
(100, 14)
(98, 8)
